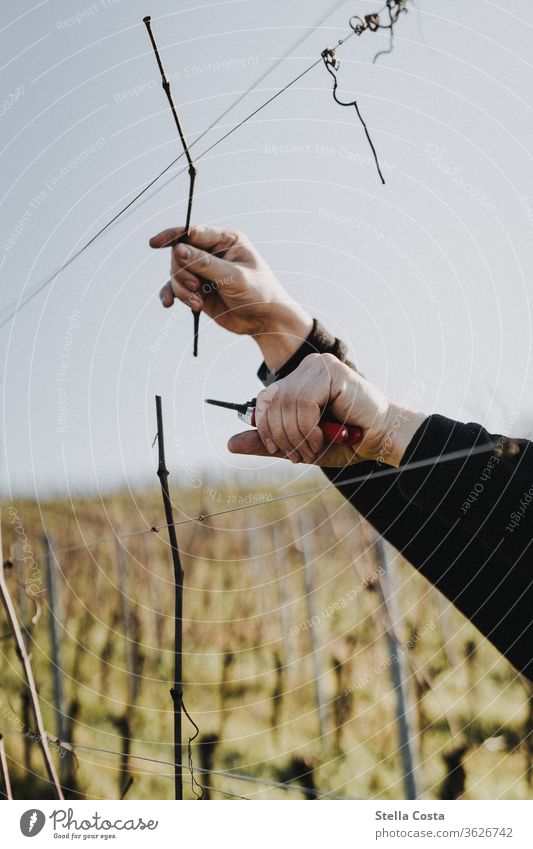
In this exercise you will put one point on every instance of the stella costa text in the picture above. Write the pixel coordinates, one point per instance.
(412, 815)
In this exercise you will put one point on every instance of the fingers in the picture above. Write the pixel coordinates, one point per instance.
(314, 438)
(167, 238)
(337, 457)
(204, 264)
(300, 420)
(288, 422)
(206, 238)
(271, 428)
(197, 266)
(166, 295)
(173, 290)
(182, 286)
(214, 238)
(182, 275)
(249, 442)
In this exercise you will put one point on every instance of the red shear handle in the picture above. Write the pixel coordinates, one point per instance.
(340, 434)
(334, 432)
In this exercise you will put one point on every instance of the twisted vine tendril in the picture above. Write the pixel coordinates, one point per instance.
(194, 782)
(359, 25)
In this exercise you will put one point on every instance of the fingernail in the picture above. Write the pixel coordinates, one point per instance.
(270, 446)
(183, 251)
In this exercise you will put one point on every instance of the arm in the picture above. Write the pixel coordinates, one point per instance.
(483, 481)
(469, 554)
(222, 273)
(224, 276)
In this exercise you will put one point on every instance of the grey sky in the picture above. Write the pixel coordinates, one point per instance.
(428, 277)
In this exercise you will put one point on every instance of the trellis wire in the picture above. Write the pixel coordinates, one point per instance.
(238, 776)
(13, 311)
(417, 464)
(469, 453)
(200, 518)
(109, 751)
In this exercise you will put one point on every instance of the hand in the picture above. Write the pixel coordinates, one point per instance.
(221, 273)
(288, 413)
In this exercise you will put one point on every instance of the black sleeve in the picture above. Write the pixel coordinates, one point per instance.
(477, 556)
(488, 493)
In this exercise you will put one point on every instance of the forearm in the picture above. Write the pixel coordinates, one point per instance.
(420, 513)
(383, 499)
(284, 334)
(316, 340)
(442, 488)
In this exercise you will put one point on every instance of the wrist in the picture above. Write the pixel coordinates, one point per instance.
(401, 425)
(284, 329)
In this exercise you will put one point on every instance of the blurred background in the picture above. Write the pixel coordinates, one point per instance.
(428, 280)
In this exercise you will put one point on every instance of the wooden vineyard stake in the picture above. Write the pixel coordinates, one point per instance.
(306, 529)
(399, 673)
(5, 770)
(30, 681)
(53, 618)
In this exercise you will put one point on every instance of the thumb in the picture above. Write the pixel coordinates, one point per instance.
(249, 442)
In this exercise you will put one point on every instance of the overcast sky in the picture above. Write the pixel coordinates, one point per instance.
(428, 277)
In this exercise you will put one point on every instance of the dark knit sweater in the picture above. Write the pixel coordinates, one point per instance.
(464, 524)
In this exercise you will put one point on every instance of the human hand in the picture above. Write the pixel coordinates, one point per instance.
(221, 273)
(288, 413)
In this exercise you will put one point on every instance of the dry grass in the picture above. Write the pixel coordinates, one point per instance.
(249, 673)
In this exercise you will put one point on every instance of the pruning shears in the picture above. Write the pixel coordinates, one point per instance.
(335, 433)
